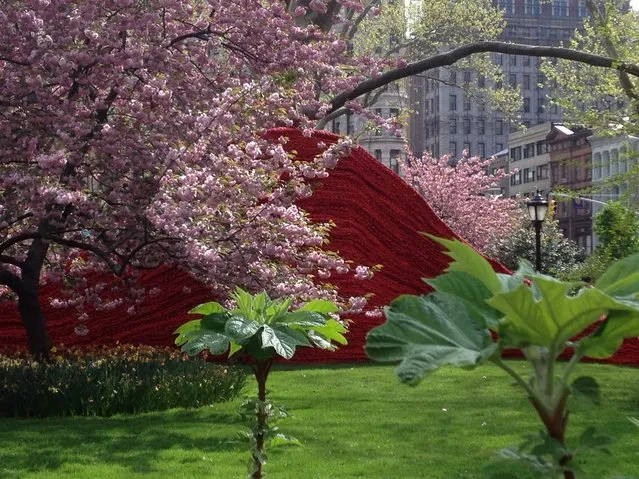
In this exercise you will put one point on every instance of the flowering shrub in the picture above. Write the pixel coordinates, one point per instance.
(105, 381)
(459, 192)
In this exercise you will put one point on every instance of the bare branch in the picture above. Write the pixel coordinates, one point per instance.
(11, 260)
(18, 239)
(456, 54)
(15, 62)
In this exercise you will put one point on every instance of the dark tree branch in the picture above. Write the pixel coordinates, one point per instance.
(11, 260)
(456, 54)
(15, 62)
(11, 280)
(17, 239)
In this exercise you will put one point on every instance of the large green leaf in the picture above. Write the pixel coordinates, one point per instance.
(283, 340)
(621, 278)
(303, 319)
(240, 329)
(467, 260)
(198, 340)
(608, 338)
(320, 306)
(425, 333)
(208, 308)
(545, 314)
(471, 291)
(332, 331)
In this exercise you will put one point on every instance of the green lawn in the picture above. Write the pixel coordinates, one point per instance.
(354, 421)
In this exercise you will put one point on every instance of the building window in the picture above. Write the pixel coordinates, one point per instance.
(532, 7)
(614, 162)
(526, 81)
(466, 103)
(513, 60)
(526, 105)
(542, 172)
(466, 126)
(453, 126)
(527, 59)
(596, 166)
(336, 127)
(499, 127)
(452, 77)
(582, 10)
(542, 147)
(481, 150)
(481, 81)
(512, 80)
(529, 150)
(481, 126)
(393, 162)
(394, 112)
(349, 123)
(515, 153)
(453, 148)
(378, 155)
(605, 164)
(507, 5)
(499, 147)
(499, 58)
(541, 105)
(467, 149)
(560, 8)
(452, 102)
(467, 77)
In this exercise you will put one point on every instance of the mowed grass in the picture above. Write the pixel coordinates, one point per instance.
(355, 421)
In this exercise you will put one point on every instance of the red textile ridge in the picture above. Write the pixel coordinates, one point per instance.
(378, 220)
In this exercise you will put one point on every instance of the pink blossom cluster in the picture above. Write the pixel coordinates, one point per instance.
(460, 194)
(132, 135)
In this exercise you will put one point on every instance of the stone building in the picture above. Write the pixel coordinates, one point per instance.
(570, 169)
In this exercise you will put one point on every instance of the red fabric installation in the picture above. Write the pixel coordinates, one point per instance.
(378, 220)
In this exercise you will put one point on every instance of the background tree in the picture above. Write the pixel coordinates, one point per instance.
(459, 191)
(559, 255)
(617, 228)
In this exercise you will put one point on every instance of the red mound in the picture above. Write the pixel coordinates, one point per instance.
(378, 220)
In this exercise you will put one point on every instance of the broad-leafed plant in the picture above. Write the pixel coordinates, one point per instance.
(533, 312)
(262, 329)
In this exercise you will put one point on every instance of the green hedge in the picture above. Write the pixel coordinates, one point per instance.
(105, 381)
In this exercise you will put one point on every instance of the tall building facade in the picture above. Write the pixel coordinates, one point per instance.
(447, 120)
(571, 169)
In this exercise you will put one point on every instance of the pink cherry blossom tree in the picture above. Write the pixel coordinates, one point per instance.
(460, 193)
(132, 135)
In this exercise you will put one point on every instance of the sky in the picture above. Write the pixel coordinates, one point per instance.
(634, 4)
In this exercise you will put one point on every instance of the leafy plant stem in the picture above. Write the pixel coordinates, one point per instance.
(532, 394)
(556, 422)
(574, 360)
(261, 370)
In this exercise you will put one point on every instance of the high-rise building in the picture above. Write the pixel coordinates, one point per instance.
(446, 120)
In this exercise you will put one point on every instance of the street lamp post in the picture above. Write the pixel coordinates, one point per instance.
(537, 208)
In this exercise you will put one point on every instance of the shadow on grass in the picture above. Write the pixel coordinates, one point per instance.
(135, 442)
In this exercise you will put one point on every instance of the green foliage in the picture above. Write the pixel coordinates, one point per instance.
(617, 228)
(112, 381)
(559, 255)
(260, 329)
(536, 313)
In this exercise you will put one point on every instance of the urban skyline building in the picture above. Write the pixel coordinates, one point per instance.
(446, 120)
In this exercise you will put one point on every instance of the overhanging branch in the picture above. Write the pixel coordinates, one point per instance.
(456, 54)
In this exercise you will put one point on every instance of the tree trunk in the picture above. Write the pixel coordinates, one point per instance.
(34, 324)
